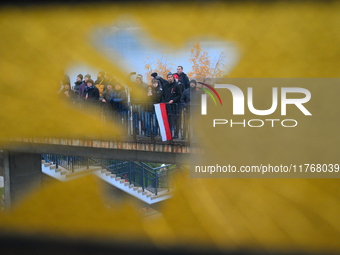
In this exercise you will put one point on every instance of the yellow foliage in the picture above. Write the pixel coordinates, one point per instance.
(280, 39)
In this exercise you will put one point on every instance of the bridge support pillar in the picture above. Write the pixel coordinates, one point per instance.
(22, 173)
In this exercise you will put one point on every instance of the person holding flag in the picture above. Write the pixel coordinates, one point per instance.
(167, 115)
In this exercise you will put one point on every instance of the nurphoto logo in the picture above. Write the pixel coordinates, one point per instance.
(238, 105)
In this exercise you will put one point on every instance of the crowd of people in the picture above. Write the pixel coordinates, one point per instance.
(176, 91)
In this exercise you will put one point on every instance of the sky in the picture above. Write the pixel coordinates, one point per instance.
(129, 45)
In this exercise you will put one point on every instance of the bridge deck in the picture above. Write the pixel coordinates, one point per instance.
(159, 152)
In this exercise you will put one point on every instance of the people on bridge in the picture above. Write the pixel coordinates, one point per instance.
(119, 95)
(155, 93)
(182, 77)
(190, 94)
(83, 86)
(177, 92)
(159, 78)
(77, 84)
(101, 82)
(64, 80)
(66, 92)
(91, 92)
(171, 91)
(110, 80)
(107, 94)
(171, 95)
(179, 82)
(189, 102)
(118, 101)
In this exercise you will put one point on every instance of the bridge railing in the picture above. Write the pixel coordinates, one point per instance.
(138, 119)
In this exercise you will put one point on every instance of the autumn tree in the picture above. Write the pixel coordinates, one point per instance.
(217, 68)
(148, 66)
(202, 66)
(162, 66)
(200, 62)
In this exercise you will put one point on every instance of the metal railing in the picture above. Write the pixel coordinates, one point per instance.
(137, 173)
(138, 119)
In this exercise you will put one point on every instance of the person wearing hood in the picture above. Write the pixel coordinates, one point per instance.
(77, 84)
(189, 99)
(189, 94)
(155, 92)
(182, 77)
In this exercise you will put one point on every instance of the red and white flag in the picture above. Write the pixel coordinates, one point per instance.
(163, 122)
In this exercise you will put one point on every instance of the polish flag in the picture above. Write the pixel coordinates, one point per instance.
(163, 122)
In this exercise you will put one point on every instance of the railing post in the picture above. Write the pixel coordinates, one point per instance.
(142, 177)
(151, 124)
(167, 178)
(156, 181)
(130, 172)
(72, 164)
(56, 162)
(135, 123)
(191, 131)
(87, 163)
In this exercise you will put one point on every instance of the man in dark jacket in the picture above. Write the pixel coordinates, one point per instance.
(182, 77)
(171, 91)
(171, 96)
